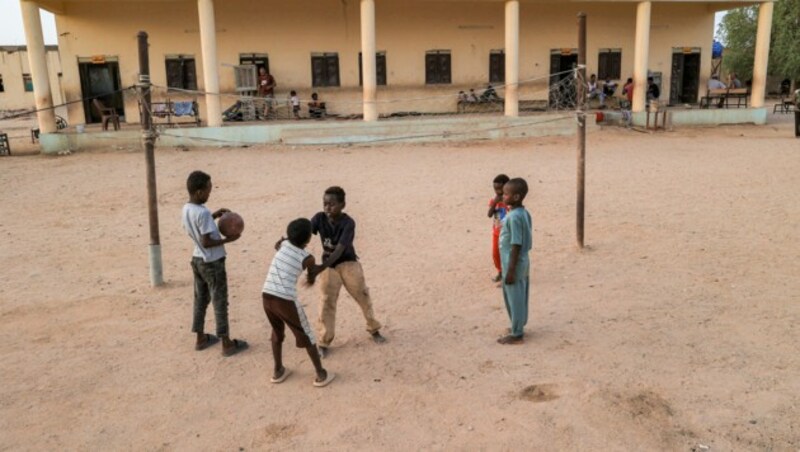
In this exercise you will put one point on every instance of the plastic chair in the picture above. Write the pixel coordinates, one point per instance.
(107, 114)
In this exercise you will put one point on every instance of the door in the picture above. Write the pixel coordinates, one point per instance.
(691, 78)
(100, 81)
(685, 81)
(562, 91)
(676, 80)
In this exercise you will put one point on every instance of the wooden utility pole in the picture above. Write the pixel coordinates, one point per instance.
(149, 141)
(581, 104)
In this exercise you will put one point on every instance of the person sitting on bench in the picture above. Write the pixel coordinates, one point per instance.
(609, 88)
(490, 95)
(734, 82)
(592, 91)
(715, 83)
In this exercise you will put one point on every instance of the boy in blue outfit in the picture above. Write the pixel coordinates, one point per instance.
(516, 241)
(208, 265)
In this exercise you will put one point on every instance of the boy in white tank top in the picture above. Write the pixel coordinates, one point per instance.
(281, 306)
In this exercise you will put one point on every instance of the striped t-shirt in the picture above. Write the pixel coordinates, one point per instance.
(283, 272)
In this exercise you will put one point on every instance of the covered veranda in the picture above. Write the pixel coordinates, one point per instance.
(369, 100)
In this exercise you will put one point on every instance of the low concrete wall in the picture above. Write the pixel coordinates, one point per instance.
(693, 118)
(709, 117)
(329, 132)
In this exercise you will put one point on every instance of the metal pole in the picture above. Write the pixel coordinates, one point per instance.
(149, 141)
(581, 124)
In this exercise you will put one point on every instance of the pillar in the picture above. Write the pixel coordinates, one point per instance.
(641, 56)
(761, 59)
(208, 44)
(37, 59)
(512, 58)
(368, 60)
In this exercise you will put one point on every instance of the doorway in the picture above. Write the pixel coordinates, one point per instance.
(685, 80)
(562, 93)
(100, 80)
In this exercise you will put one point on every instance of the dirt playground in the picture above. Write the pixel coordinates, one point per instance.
(675, 329)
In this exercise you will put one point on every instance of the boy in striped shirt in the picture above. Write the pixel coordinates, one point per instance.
(281, 306)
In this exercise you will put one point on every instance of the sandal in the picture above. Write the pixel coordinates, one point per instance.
(282, 378)
(326, 382)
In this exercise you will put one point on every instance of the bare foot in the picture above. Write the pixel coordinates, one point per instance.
(497, 278)
(376, 336)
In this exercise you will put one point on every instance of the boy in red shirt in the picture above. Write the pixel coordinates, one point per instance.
(497, 211)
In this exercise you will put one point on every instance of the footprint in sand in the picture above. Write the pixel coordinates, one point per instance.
(539, 393)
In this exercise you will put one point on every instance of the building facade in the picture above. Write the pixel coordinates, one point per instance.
(419, 53)
(16, 82)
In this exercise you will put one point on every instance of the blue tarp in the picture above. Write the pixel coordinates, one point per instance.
(716, 49)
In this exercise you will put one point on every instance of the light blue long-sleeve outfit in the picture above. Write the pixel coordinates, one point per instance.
(517, 229)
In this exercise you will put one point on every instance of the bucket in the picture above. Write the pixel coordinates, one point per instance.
(599, 117)
(80, 128)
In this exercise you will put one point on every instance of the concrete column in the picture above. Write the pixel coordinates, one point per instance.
(512, 58)
(37, 58)
(761, 59)
(368, 60)
(641, 56)
(208, 43)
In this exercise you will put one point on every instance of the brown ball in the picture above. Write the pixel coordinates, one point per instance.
(230, 223)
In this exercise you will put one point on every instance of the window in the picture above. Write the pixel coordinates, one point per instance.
(325, 69)
(437, 67)
(380, 68)
(2, 87)
(258, 59)
(497, 66)
(609, 64)
(28, 82)
(181, 72)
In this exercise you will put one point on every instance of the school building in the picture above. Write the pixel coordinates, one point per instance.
(16, 83)
(375, 57)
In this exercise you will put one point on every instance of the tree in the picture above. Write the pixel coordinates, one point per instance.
(737, 32)
(784, 59)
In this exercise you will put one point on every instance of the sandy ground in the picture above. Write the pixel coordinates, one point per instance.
(675, 328)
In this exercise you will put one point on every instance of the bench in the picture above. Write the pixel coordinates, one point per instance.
(481, 106)
(534, 105)
(723, 97)
(166, 110)
(740, 94)
(529, 105)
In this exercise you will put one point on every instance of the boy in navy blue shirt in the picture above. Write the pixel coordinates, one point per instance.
(341, 267)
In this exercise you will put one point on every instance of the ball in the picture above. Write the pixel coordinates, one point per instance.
(230, 223)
